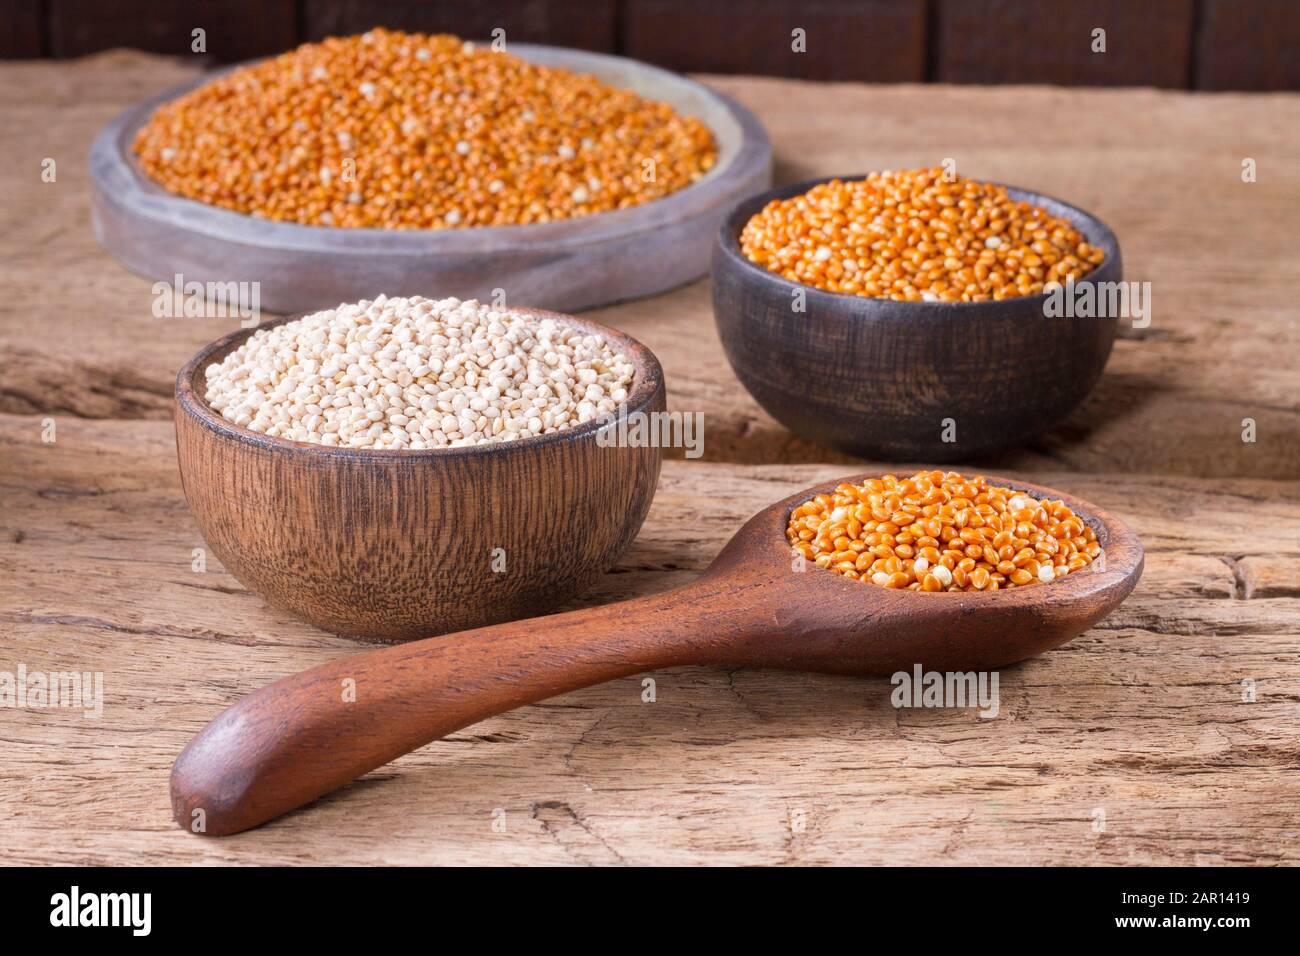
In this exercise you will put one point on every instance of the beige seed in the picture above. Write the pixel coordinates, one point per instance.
(394, 372)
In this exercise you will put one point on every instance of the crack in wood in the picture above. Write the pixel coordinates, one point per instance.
(553, 814)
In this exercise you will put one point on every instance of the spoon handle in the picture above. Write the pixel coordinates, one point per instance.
(311, 733)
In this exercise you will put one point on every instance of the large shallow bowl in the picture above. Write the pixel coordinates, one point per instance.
(896, 380)
(569, 265)
(393, 545)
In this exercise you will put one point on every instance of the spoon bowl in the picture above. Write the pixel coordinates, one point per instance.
(822, 621)
(755, 606)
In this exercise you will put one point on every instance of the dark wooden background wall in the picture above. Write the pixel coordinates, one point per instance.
(1178, 44)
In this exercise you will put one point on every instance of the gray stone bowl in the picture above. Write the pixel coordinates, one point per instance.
(894, 381)
(564, 266)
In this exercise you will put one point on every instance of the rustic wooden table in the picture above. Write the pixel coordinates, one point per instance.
(1166, 735)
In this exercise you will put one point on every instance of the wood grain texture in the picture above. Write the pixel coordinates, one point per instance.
(387, 545)
(1050, 41)
(1218, 44)
(235, 29)
(874, 41)
(1248, 45)
(908, 381)
(22, 35)
(584, 24)
(1142, 716)
(1223, 344)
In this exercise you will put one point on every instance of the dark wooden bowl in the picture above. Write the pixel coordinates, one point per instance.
(391, 545)
(878, 378)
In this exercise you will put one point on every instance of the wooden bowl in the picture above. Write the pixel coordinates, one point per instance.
(392, 545)
(881, 379)
(566, 265)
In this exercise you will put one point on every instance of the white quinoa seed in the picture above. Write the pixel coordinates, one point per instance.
(417, 373)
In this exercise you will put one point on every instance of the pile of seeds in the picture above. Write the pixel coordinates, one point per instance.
(914, 235)
(407, 131)
(415, 373)
(939, 531)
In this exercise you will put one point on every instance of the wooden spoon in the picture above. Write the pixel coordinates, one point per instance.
(306, 735)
